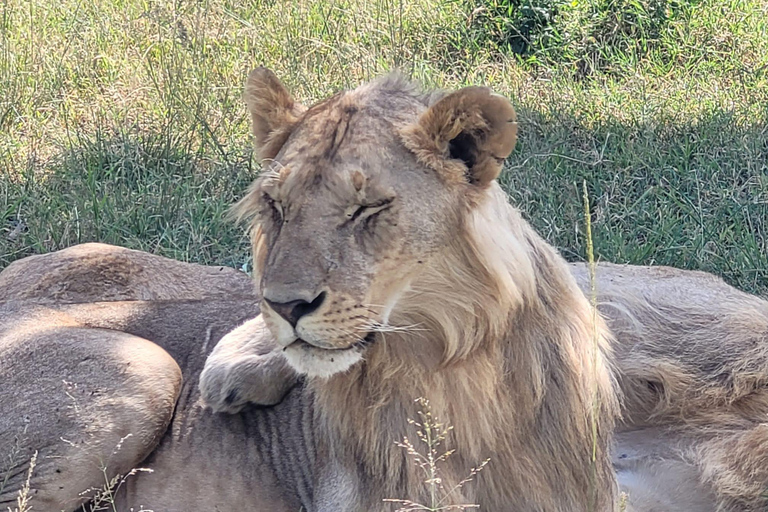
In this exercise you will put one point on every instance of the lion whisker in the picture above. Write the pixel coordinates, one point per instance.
(374, 308)
(351, 334)
(379, 327)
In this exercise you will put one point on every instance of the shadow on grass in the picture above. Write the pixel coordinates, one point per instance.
(692, 195)
(147, 191)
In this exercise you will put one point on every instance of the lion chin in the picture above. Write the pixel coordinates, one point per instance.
(313, 361)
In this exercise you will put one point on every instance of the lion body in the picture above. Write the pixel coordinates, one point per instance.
(383, 280)
(85, 388)
(395, 231)
(505, 344)
(518, 399)
(263, 459)
(692, 362)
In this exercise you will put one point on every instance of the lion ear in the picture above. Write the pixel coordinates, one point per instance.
(465, 136)
(274, 113)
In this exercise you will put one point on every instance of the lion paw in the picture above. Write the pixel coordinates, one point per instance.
(220, 389)
(244, 368)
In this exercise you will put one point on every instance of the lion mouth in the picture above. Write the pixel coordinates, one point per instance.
(362, 343)
(324, 362)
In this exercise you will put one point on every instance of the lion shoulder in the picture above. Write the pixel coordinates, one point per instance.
(94, 272)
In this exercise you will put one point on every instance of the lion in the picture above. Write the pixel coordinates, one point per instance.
(391, 195)
(392, 266)
(100, 352)
(431, 285)
(203, 460)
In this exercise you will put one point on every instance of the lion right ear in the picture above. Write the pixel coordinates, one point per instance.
(274, 113)
(465, 136)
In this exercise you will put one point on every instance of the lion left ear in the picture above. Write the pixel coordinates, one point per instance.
(274, 113)
(465, 136)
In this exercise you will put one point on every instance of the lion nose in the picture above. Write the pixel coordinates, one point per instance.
(293, 311)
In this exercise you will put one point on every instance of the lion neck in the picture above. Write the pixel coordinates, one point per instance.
(503, 339)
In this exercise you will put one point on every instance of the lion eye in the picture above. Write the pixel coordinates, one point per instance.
(368, 210)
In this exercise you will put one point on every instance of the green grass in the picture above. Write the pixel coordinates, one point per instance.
(122, 122)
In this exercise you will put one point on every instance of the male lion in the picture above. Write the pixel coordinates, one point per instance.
(101, 347)
(391, 267)
(380, 208)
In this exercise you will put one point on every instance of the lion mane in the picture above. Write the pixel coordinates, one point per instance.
(456, 299)
(522, 376)
(390, 266)
(503, 343)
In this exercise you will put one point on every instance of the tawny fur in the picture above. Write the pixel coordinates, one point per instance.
(692, 355)
(494, 320)
(55, 305)
(101, 349)
(273, 111)
(506, 345)
(475, 110)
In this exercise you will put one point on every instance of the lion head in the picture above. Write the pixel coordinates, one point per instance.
(392, 266)
(361, 198)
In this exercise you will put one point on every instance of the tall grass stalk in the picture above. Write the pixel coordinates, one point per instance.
(595, 332)
(23, 500)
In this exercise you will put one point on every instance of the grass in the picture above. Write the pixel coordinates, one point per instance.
(430, 458)
(122, 121)
(24, 497)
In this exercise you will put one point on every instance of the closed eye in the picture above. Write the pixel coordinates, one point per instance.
(368, 210)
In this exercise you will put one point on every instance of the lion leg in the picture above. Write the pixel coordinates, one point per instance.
(246, 367)
(90, 403)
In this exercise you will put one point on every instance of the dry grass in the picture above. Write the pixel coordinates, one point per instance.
(122, 122)
(432, 433)
(23, 500)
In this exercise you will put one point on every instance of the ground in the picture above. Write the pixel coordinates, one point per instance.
(122, 122)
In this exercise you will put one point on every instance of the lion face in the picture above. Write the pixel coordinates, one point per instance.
(360, 192)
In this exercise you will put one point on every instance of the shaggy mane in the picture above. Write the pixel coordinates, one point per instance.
(504, 349)
(502, 343)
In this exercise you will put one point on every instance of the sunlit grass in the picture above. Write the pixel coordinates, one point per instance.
(122, 121)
